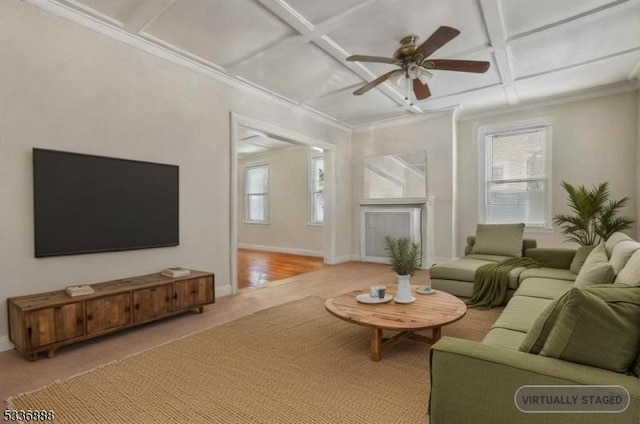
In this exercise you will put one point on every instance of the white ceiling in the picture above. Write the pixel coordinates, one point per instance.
(296, 49)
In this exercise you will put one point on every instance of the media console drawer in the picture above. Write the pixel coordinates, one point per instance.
(45, 321)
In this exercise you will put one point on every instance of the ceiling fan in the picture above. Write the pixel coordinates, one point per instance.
(415, 65)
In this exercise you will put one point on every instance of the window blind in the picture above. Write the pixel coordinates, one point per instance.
(516, 177)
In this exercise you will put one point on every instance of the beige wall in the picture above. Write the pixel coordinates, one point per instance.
(289, 216)
(435, 136)
(65, 87)
(593, 141)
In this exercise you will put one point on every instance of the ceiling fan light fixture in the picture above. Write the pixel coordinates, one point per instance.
(425, 76)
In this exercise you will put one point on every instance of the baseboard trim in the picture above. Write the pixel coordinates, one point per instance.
(289, 250)
(5, 344)
(341, 259)
(222, 291)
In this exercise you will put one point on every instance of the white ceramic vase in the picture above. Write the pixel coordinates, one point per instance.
(403, 294)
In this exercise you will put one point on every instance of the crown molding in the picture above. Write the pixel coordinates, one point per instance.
(404, 120)
(150, 45)
(590, 93)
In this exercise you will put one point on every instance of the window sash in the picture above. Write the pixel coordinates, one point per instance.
(316, 190)
(516, 175)
(257, 194)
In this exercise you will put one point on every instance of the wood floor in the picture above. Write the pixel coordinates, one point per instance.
(257, 268)
(18, 375)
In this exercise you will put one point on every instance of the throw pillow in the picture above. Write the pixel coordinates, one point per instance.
(499, 239)
(630, 274)
(596, 269)
(597, 326)
(537, 335)
(580, 257)
(621, 254)
(614, 239)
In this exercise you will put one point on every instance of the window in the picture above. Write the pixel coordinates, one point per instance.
(256, 185)
(515, 174)
(316, 189)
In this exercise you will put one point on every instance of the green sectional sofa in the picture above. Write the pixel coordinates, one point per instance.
(565, 324)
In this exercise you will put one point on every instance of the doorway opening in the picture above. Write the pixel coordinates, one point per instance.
(282, 197)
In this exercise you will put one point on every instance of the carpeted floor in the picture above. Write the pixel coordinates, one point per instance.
(294, 363)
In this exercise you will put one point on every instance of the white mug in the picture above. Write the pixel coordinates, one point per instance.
(373, 292)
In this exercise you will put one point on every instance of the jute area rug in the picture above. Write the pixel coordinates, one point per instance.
(293, 363)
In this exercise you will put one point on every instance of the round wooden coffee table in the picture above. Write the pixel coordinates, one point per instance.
(427, 312)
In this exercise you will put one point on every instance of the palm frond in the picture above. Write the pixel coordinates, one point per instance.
(594, 215)
(404, 254)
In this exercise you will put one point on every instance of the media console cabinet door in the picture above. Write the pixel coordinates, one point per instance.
(194, 292)
(108, 312)
(51, 325)
(153, 302)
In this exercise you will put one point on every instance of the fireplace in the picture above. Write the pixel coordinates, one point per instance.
(410, 218)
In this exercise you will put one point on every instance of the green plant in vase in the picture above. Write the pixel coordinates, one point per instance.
(594, 217)
(405, 256)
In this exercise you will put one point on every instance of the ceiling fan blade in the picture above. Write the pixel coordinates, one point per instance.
(474, 66)
(377, 59)
(442, 36)
(420, 90)
(382, 78)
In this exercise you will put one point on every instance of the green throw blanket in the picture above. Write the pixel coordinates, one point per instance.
(492, 282)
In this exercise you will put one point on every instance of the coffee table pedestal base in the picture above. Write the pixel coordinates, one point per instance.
(380, 344)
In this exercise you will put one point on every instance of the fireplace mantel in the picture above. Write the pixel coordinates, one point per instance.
(397, 201)
(418, 212)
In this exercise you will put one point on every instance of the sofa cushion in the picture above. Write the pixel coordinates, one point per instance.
(551, 257)
(614, 239)
(557, 274)
(630, 274)
(597, 326)
(492, 258)
(580, 257)
(596, 269)
(463, 269)
(504, 338)
(537, 335)
(621, 254)
(499, 239)
(546, 288)
(520, 313)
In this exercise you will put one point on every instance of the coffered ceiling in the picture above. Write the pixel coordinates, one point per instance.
(295, 50)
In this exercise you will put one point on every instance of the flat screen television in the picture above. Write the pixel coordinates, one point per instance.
(87, 204)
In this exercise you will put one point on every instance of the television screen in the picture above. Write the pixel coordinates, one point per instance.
(86, 204)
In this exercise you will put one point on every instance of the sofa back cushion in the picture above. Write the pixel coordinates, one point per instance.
(614, 239)
(621, 253)
(596, 269)
(499, 239)
(597, 326)
(578, 260)
(630, 274)
(537, 335)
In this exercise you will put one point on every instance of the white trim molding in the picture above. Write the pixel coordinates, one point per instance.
(276, 249)
(5, 344)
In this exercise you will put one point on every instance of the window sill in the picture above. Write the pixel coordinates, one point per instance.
(539, 230)
(313, 224)
(256, 223)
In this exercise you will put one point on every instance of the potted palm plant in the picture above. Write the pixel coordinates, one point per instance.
(594, 217)
(405, 257)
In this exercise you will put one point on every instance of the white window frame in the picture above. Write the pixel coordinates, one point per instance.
(312, 192)
(247, 214)
(513, 127)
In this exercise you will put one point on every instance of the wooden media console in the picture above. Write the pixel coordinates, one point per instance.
(43, 322)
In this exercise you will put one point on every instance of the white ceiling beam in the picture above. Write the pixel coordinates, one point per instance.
(601, 10)
(317, 35)
(494, 23)
(146, 15)
(635, 72)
